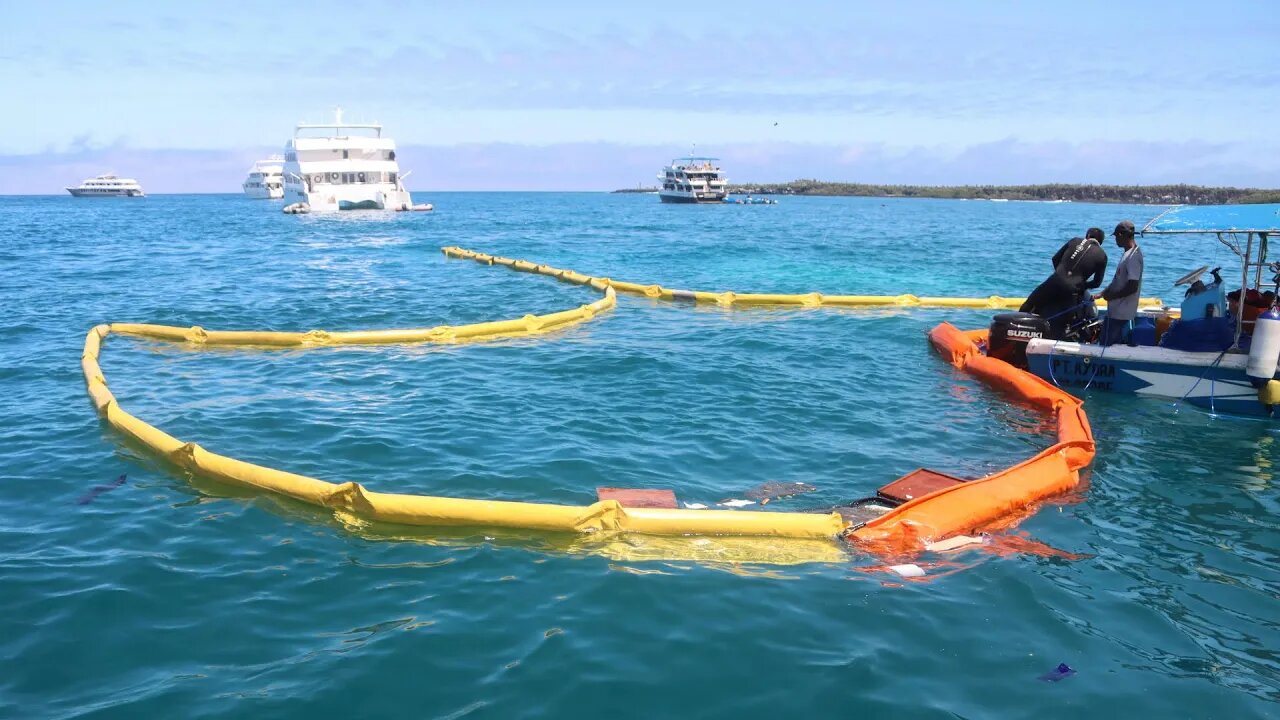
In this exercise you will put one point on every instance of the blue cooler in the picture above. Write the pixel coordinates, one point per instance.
(1144, 331)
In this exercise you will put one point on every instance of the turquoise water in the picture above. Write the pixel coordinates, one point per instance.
(161, 599)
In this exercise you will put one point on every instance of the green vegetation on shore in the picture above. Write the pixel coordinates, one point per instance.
(1133, 194)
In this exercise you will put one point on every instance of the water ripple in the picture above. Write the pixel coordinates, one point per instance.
(168, 592)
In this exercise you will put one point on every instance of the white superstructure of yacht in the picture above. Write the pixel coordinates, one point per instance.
(266, 179)
(692, 180)
(342, 166)
(107, 186)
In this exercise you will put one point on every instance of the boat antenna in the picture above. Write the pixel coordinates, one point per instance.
(337, 115)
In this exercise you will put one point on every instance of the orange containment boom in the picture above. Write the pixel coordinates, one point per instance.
(967, 506)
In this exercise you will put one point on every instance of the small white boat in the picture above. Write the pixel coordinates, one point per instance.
(107, 186)
(266, 179)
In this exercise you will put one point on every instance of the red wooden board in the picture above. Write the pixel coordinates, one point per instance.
(629, 497)
(917, 483)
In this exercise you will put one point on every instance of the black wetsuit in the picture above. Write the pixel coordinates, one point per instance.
(1078, 266)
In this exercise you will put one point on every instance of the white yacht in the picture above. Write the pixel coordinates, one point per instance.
(342, 166)
(107, 186)
(693, 180)
(266, 179)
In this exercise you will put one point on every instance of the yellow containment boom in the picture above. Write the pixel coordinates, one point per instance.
(904, 529)
(355, 499)
(527, 325)
(729, 298)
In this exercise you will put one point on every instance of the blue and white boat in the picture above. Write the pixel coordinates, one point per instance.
(750, 200)
(1204, 357)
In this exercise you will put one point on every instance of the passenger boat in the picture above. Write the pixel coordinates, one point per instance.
(107, 186)
(1218, 350)
(343, 166)
(266, 179)
(693, 180)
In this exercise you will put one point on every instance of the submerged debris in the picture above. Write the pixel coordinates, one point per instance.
(99, 489)
(774, 489)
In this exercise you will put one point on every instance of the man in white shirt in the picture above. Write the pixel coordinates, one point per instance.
(1125, 288)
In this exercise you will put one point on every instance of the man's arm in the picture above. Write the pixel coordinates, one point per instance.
(1125, 282)
(1113, 293)
(1132, 277)
(1096, 279)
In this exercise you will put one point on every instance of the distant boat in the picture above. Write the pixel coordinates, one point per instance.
(266, 179)
(999, 199)
(107, 186)
(692, 180)
(343, 166)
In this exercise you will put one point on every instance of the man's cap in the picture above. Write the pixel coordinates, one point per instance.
(1125, 227)
(1094, 234)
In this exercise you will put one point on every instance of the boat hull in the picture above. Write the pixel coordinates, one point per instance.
(343, 198)
(360, 205)
(1210, 380)
(689, 199)
(79, 192)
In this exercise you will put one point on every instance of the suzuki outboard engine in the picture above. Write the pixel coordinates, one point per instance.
(1010, 333)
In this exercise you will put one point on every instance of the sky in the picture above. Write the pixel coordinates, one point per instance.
(598, 96)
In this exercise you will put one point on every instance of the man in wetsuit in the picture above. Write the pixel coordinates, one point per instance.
(1078, 266)
(1126, 286)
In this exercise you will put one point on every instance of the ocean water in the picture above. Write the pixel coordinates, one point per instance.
(166, 597)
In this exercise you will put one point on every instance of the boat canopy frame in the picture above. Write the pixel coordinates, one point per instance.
(1257, 223)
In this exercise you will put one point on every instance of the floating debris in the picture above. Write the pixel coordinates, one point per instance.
(1062, 672)
(953, 543)
(909, 570)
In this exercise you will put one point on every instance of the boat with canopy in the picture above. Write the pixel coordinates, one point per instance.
(1215, 351)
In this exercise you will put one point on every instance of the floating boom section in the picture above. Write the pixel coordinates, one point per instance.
(527, 325)
(969, 506)
(355, 499)
(733, 299)
(904, 529)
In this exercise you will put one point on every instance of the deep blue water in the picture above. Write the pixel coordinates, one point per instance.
(169, 598)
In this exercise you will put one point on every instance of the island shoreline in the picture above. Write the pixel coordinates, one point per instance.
(1180, 194)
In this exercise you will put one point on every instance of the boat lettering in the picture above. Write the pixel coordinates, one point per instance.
(1078, 372)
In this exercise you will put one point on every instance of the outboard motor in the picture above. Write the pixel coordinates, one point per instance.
(1084, 325)
(1010, 333)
